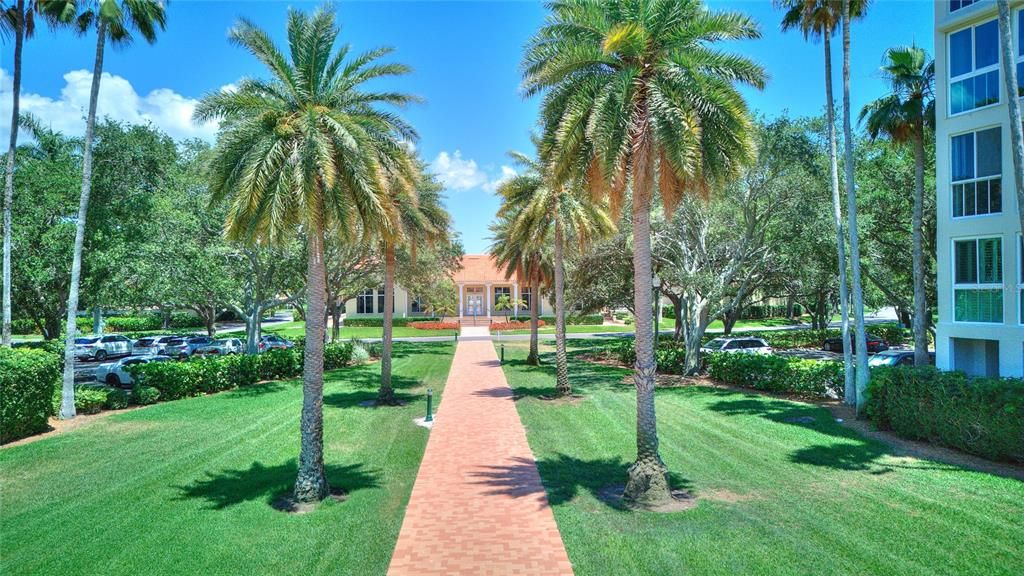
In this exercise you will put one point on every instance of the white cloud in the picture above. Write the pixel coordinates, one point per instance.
(163, 107)
(458, 173)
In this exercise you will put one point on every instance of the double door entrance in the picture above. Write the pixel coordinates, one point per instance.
(475, 304)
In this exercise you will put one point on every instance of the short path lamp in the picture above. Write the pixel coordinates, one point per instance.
(430, 402)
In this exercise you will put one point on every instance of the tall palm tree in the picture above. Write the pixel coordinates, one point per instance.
(1009, 57)
(114, 22)
(861, 345)
(904, 116)
(636, 93)
(525, 259)
(300, 153)
(420, 219)
(819, 19)
(552, 211)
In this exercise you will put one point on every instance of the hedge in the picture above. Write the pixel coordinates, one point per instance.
(983, 416)
(515, 325)
(777, 373)
(27, 381)
(379, 322)
(433, 325)
(576, 319)
(89, 399)
(670, 355)
(174, 380)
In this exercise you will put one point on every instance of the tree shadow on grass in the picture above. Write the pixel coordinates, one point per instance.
(405, 349)
(583, 377)
(228, 488)
(564, 477)
(262, 389)
(360, 398)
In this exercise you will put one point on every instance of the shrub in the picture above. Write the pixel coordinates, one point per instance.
(117, 399)
(88, 399)
(185, 320)
(434, 325)
(28, 379)
(279, 364)
(145, 395)
(577, 319)
(777, 373)
(23, 326)
(337, 355)
(133, 323)
(983, 416)
(379, 322)
(502, 326)
(670, 355)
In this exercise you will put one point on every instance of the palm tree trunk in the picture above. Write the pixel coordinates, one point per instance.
(386, 394)
(311, 484)
(850, 387)
(1011, 81)
(648, 476)
(67, 406)
(19, 40)
(533, 358)
(562, 386)
(851, 214)
(920, 299)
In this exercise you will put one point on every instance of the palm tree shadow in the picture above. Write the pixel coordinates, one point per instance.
(228, 488)
(360, 398)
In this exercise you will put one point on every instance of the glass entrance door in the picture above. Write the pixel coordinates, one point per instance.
(475, 304)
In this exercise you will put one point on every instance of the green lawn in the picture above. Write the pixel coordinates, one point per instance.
(591, 328)
(774, 497)
(185, 487)
(296, 329)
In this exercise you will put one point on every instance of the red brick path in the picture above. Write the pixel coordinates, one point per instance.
(478, 506)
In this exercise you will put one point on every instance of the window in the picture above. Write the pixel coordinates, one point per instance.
(502, 291)
(364, 302)
(978, 280)
(380, 300)
(416, 306)
(976, 171)
(974, 67)
(955, 5)
(524, 295)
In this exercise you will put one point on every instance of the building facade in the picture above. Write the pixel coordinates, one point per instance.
(980, 275)
(480, 286)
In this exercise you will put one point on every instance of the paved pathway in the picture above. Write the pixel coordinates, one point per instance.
(478, 506)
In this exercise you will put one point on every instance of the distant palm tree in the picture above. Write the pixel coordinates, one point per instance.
(114, 21)
(1013, 91)
(905, 116)
(420, 219)
(552, 212)
(300, 153)
(636, 94)
(526, 259)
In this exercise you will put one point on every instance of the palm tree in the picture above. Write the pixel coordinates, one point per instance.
(420, 219)
(1010, 80)
(819, 18)
(114, 21)
(525, 259)
(637, 94)
(300, 153)
(904, 116)
(545, 211)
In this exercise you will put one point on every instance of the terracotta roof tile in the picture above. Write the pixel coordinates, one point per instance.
(479, 269)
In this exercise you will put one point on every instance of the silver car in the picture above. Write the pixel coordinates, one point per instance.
(102, 347)
(151, 345)
(737, 345)
(222, 346)
(186, 346)
(116, 373)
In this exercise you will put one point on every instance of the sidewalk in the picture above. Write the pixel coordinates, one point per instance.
(478, 506)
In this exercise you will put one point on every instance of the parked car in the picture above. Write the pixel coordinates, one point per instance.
(875, 344)
(734, 345)
(223, 346)
(272, 341)
(102, 347)
(151, 345)
(897, 358)
(186, 346)
(116, 373)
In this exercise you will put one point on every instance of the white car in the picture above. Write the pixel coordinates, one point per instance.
(101, 347)
(116, 373)
(737, 345)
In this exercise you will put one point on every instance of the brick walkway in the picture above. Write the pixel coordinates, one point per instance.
(478, 506)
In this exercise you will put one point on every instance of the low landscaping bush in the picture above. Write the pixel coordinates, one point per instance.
(28, 379)
(117, 399)
(337, 355)
(132, 323)
(670, 355)
(983, 416)
(434, 325)
(88, 399)
(145, 395)
(379, 322)
(513, 325)
(778, 373)
(576, 319)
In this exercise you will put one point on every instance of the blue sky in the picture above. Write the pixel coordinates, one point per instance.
(466, 60)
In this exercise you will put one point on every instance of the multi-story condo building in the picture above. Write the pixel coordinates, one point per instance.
(980, 255)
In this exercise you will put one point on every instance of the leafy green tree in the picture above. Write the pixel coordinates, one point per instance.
(527, 260)
(114, 21)
(636, 93)
(301, 152)
(905, 116)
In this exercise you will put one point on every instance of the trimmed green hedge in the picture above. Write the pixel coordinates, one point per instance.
(777, 373)
(983, 416)
(379, 322)
(573, 319)
(670, 355)
(27, 381)
(89, 398)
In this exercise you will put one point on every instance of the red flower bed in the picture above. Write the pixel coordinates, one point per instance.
(434, 325)
(502, 326)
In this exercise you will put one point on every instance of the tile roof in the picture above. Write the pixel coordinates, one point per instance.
(480, 269)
